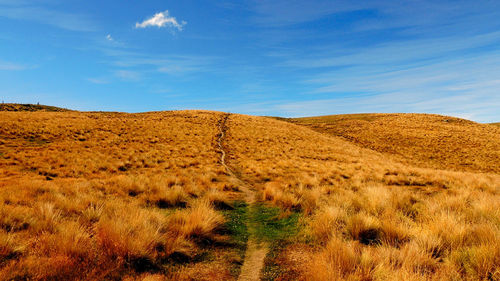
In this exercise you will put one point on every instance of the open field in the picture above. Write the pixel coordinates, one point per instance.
(424, 140)
(112, 196)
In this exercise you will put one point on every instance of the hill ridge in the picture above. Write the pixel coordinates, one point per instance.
(425, 140)
(30, 107)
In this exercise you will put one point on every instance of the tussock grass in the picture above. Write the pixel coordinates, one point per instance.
(198, 222)
(9, 247)
(426, 140)
(109, 196)
(369, 216)
(93, 196)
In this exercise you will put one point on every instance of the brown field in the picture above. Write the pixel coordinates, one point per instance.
(425, 140)
(114, 196)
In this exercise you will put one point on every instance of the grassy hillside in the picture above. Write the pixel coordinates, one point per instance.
(29, 107)
(86, 196)
(424, 140)
(93, 196)
(365, 216)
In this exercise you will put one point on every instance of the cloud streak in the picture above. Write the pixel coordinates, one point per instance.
(9, 66)
(33, 12)
(161, 63)
(162, 19)
(128, 75)
(383, 56)
(388, 14)
(478, 107)
(99, 81)
(465, 86)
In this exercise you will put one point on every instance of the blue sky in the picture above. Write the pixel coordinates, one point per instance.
(266, 57)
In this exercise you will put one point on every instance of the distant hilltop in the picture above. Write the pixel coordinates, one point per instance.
(30, 107)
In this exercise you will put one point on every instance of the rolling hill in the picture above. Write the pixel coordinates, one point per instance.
(201, 195)
(424, 140)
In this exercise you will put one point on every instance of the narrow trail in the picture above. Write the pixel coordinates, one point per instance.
(256, 251)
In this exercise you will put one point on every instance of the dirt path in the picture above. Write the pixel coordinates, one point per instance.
(256, 251)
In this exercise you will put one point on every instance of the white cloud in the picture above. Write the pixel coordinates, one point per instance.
(109, 38)
(161, 19)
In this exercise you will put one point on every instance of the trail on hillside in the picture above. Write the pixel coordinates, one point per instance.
(256, 251)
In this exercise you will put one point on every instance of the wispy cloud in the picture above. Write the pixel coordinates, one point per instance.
(99, 81)
(128, 75)
(32, 11)
(109, 38)
(386, 57)
(290, 12)
(396, 52)
(481, 108)
(162, 19)
(131, 64)
(9, 66)
(385, 13)
(463, 87)
(162, 63)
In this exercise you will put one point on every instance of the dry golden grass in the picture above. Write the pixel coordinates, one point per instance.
(424, 140)
(93, 196)
(369, 216)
